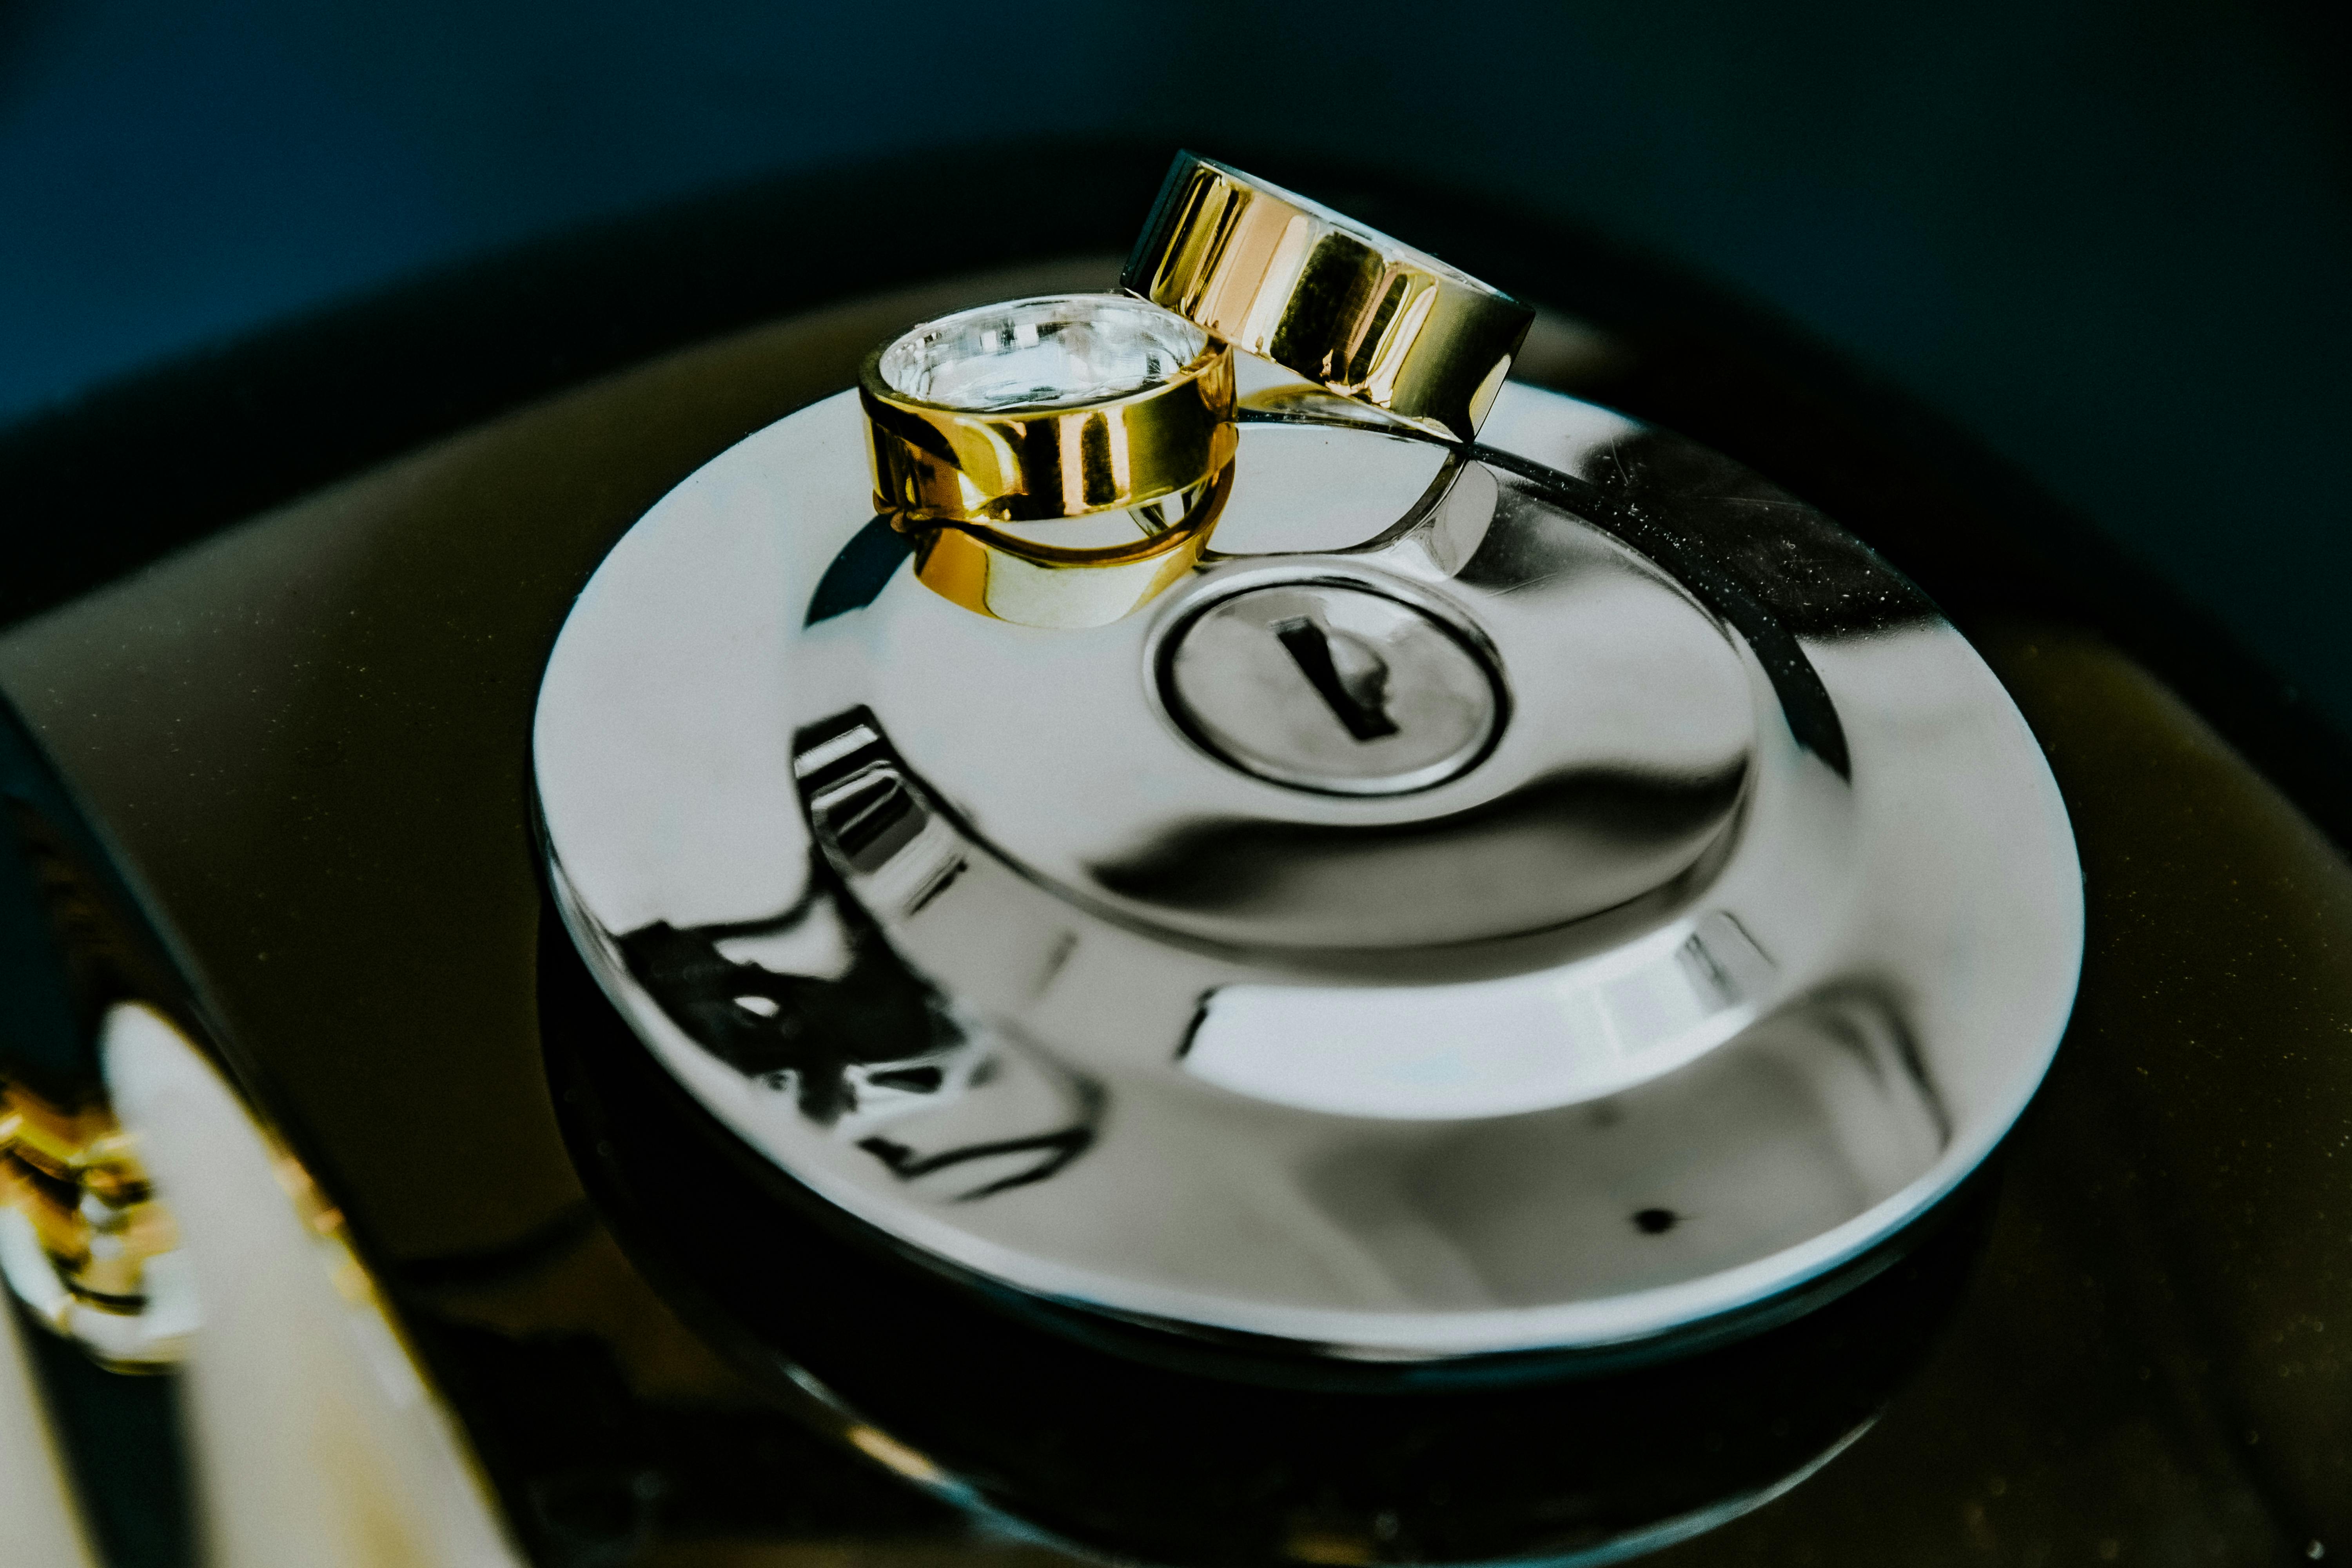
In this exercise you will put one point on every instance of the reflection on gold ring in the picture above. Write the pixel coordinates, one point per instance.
(1291, 280)
(1016, 577)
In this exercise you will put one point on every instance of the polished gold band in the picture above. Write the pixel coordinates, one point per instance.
(1018, 578)
(1045, 409)
(1282, 277)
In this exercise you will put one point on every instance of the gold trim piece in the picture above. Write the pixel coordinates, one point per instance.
(1015, 577)
(73, 1178)
(1129, 405)
(1287, 279)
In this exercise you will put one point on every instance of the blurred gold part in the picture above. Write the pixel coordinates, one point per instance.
(1279, 276)
(884, 1449)
(75, 1178)
(1017, 578)
(936, 463)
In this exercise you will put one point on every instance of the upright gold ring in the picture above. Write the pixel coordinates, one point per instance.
(1052, 407)
(1287, 278)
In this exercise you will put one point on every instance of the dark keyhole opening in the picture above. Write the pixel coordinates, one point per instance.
(1358, 698)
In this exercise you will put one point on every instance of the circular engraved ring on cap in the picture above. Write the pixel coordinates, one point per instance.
(1332, 686)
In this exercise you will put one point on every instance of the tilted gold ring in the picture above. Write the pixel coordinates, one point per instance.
(1052, 407)
(1027, 578)
(1285, 278)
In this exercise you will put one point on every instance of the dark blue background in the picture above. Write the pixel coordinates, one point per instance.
(2113, 240)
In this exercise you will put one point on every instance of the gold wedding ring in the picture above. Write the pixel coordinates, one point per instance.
(1059, 461)
(1287, 279)
(1054, 407)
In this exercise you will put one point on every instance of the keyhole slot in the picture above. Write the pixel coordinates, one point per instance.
(1358, 697)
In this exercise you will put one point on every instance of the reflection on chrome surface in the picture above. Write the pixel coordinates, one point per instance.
(816, 1008)
(1115, 1441)
(1243, 967)
(1484, 1048)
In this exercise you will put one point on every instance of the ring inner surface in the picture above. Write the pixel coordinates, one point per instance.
(1062, 351)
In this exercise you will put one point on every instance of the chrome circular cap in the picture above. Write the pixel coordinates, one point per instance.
(1542, 894)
